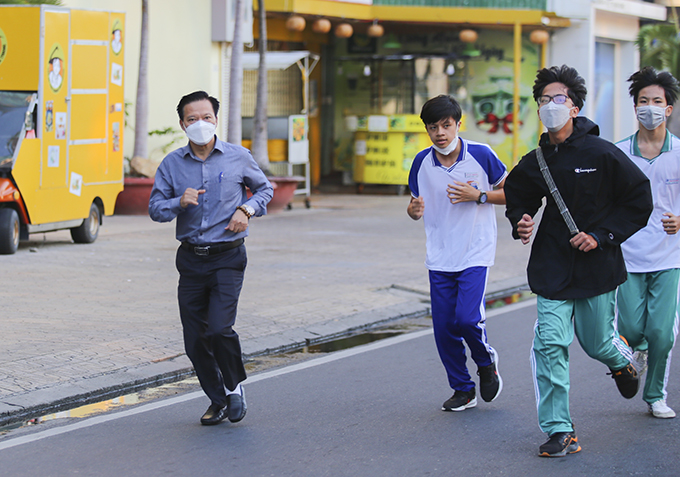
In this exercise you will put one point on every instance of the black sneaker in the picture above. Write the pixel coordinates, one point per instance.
(460, 401)
(627, 380)
(559, 445)
(490, 382)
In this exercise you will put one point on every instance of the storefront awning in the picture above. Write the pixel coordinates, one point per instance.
(276, 60)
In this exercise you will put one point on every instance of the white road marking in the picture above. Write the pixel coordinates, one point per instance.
(338, 355)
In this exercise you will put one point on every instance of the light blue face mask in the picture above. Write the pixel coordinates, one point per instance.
(651, 117)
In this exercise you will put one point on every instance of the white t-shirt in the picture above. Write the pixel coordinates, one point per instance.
(463, 235)
(651, 249)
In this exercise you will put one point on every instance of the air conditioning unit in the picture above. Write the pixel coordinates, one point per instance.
(222, 21)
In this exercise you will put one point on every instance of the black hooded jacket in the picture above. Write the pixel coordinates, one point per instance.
(608, 197)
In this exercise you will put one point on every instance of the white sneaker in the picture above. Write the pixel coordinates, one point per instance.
(640, 361)
(661, 410)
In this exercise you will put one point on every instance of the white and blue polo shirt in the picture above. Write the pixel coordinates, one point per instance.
(463, 235)
(651, 249)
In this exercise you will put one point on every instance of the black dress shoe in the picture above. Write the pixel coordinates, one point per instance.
(214, 415)
(236, 405)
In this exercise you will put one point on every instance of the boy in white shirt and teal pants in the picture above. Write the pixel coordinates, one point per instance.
(647, 303)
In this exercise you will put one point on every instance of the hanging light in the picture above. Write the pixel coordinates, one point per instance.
(376, 30)
(321, 25)
(367, 70)
(468, 36)
(539, 37)
(450, 70)
(344, 30)
(296, 23)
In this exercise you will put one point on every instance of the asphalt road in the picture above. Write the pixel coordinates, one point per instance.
(371, 410)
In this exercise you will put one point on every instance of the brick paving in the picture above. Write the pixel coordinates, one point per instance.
(85, 321)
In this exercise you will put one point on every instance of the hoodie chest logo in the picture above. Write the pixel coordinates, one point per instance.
(578, 170)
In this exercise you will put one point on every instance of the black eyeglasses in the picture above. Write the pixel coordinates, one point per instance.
(557, 99)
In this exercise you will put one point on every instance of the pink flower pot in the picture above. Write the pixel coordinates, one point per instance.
(134, 199)
(284, 190)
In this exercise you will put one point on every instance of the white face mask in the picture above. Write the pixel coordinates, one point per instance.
(448, 149)
(200, 132)
(554, 116)
(651, 117)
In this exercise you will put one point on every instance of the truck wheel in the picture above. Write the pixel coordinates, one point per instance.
(89, 229)
(9, 231)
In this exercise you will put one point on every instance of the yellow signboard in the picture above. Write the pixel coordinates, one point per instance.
(385, 157)
(19, 49)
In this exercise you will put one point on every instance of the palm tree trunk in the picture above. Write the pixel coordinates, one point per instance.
(234, 135)
(142, 107)
(260, 153)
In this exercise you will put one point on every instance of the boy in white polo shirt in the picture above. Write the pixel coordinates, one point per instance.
(647, 303)
(452, 189)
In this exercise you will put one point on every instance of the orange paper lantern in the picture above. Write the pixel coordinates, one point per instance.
(468, 36)
(539, 36)
(296, 23)
(376, 30)
(322, 25)
(344, 30)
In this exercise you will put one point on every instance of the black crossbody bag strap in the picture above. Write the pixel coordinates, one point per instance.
(564, 211)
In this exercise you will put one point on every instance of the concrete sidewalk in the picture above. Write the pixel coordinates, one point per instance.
(86, 322)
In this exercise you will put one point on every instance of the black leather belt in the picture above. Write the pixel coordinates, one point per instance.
(211, 249)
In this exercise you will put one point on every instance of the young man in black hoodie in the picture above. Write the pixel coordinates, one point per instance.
(574, 269)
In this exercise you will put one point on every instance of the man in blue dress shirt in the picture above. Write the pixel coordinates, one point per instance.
(203, 186)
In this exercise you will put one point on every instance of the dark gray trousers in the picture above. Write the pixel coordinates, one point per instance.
(208, 292)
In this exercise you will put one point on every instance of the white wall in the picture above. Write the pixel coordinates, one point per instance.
(574, 46)
(182, 59)
(630, 63)
(574, 9)
(623, 29)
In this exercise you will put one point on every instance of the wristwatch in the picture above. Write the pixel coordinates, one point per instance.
(482, 198)
(246, 209)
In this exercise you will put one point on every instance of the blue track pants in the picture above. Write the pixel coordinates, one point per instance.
(457, 315)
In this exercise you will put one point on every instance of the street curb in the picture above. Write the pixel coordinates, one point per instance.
(127, 381)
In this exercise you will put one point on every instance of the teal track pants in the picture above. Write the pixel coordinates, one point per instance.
(593, 320)
(647, 306)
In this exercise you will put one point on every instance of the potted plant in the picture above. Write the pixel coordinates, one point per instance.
(139, 176)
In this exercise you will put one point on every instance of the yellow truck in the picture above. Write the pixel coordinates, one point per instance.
(61, 120)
